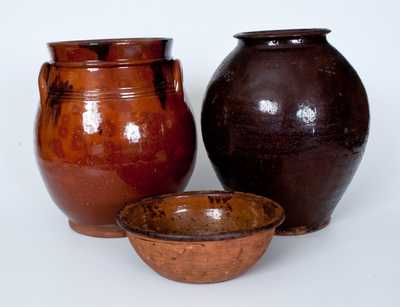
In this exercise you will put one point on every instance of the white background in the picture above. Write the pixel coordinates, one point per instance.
(353, 262)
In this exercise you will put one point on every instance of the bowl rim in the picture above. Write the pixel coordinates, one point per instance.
(218, 236)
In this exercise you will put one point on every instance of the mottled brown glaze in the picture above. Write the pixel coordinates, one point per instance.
(201, 237)
(286, 116)
(112, 127)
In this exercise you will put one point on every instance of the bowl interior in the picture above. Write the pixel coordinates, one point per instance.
(201, 215)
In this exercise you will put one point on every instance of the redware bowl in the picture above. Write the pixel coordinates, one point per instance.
(201, 237)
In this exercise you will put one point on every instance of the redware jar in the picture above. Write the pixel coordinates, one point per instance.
(286, 116)
(112, 127)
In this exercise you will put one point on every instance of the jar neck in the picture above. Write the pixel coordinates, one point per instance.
(283, 38)
(110, 51)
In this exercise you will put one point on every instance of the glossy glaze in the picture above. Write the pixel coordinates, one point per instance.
(201, 237)
(286, 116)
(112, 127)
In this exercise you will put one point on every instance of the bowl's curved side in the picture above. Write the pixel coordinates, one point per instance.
(203, 261)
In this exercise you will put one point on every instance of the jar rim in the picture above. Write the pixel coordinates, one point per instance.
(110, 41)
(112, 51)
(285, 33)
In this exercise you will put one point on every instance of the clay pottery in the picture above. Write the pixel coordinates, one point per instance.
(112, 127)
(286, 116)
(201, 237)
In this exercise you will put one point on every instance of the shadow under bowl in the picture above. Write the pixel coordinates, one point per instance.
(201, 236)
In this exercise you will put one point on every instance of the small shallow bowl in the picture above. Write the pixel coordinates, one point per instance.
(201, 237)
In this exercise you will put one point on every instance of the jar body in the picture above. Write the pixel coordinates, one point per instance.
(108, 134)
(287, 118)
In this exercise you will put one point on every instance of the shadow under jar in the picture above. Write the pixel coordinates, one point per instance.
(286, 116)
(112, 127)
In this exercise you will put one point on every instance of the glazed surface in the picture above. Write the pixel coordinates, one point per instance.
(108, 133)
(201, 216)
(286, 116)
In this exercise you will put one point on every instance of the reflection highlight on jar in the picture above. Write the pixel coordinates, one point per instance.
(93, 69)
(268, 106)
(91, 118)
(296, 41)
(307, 114)
(132, 133)
(273, 43)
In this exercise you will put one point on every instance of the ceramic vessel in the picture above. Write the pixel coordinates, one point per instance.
(112, 127)
(286, 116)
(201, 237)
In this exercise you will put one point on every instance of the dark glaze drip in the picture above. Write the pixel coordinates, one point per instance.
(101, 50)
(158, 82)
(57, 88)
(219, 199)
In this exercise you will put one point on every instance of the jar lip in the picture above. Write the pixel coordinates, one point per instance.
(111, 41)
(286, 33)
(115, 51)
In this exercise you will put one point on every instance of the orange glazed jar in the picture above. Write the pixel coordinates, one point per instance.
(112, 127)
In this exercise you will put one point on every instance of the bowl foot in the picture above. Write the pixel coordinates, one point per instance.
(105, 231)
(300, 230)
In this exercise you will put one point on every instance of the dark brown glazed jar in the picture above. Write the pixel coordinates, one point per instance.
(112, 128)
(286, 116)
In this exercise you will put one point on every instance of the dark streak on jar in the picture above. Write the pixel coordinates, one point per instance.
(159, 82)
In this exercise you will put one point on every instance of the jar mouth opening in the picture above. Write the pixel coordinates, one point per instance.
(287, 33)
(111, 41)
